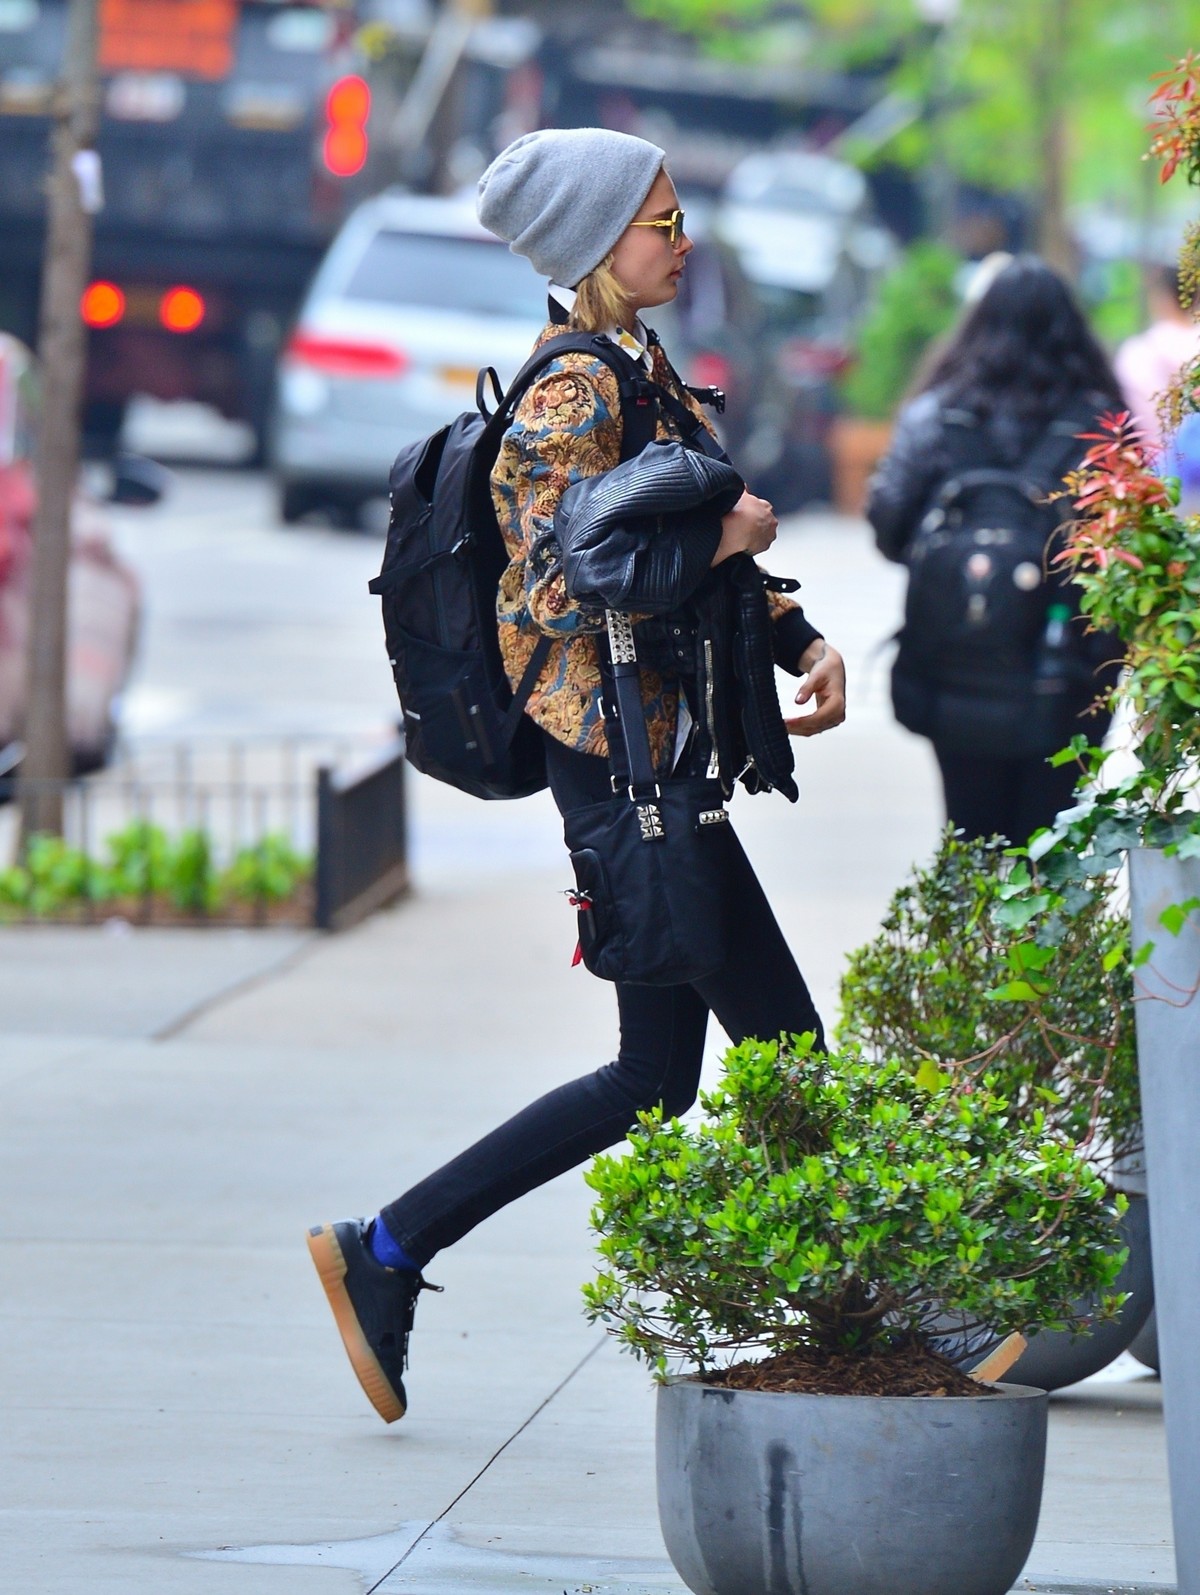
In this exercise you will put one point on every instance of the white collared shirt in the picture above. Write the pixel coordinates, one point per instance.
(636, 346)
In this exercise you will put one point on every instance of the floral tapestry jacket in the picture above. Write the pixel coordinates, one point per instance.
(567, 427)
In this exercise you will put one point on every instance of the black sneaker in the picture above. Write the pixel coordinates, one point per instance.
(374, 1308)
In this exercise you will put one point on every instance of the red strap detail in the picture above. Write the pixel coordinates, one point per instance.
(578, 958)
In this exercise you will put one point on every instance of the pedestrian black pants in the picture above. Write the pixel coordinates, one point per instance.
(1003, 797)
(759, 992)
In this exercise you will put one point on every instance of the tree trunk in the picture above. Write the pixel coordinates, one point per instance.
(62, 353)
(1050, 77)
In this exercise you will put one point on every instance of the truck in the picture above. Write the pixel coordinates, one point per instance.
(233, 138)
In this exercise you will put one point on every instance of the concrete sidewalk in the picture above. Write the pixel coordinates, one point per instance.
(179, 1415)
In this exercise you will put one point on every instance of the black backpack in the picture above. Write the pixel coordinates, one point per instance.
(979, 590)
(442, 565)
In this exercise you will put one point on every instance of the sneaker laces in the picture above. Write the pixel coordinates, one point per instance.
(408, 1312)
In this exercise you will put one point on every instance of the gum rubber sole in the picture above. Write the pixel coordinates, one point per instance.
(326, 1253)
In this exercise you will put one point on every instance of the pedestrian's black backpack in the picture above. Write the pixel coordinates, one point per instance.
(979, 589)
(441, 570)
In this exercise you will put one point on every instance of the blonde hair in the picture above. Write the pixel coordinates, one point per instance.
(600, 300)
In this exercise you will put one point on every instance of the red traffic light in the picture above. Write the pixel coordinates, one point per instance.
(347, 107)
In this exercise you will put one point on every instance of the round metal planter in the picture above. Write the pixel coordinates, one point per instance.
(1144, 1345)
(764, 1494)
(1059, 1358)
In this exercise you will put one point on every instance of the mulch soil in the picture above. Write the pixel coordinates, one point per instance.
(905, 1371)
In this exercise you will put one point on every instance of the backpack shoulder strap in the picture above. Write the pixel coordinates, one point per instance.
(639, 396)
(1060, 448)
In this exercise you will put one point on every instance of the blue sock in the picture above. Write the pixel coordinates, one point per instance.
(387, 1251)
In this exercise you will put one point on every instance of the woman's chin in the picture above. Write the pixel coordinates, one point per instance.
(661, 295)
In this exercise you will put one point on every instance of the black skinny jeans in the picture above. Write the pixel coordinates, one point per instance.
(759, 992)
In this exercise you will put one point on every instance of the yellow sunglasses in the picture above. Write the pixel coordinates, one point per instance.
(674, 224)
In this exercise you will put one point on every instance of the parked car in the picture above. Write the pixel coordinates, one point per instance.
(103, 593)
(412, 299)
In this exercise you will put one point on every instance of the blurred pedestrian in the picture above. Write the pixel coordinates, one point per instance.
(995, 664)
(1148, 363)
(597, 214)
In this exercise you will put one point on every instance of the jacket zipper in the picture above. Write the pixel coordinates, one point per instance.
(714, 758)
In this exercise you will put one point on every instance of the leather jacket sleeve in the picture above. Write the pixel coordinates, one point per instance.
(907, 476)
(642, 539)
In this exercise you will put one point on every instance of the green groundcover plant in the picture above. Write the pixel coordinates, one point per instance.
(142, 863)
(836, 1204)
(973, 972)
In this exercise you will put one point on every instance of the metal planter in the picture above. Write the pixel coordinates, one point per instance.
(765, 1494)
(1058, 1358)
(1168, 1036)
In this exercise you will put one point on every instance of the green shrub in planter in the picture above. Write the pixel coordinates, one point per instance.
(838, 1205)
(917, 302)
(976, 971)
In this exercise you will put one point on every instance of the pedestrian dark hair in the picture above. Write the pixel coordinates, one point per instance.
(1022, 355)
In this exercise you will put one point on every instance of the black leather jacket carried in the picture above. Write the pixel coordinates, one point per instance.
(641, 539)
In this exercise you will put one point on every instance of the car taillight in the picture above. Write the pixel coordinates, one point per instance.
(181, 309)
(347, 108)
(346, 357)
(102, 305)
(709, 370)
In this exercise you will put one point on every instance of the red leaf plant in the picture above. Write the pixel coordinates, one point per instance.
(1176, 125)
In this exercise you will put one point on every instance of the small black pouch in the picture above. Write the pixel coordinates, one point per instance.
(651, 861)
(649, 883)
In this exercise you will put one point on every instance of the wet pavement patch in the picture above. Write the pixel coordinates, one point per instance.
(417, 1559)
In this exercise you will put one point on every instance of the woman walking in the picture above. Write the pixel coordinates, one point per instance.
(995, 664)
(596, 213)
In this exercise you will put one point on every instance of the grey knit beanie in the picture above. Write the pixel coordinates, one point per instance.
(563, 196)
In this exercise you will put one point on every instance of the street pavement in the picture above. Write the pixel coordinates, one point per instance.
(179, 1106)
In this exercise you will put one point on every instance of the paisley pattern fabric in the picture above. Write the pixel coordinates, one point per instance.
(568, 427)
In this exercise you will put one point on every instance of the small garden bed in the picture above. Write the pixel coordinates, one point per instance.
(146, 877)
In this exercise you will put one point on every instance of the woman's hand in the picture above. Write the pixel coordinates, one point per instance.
(824, 671)
(749, 528)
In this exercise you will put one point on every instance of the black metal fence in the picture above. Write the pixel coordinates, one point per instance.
(362, 839)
